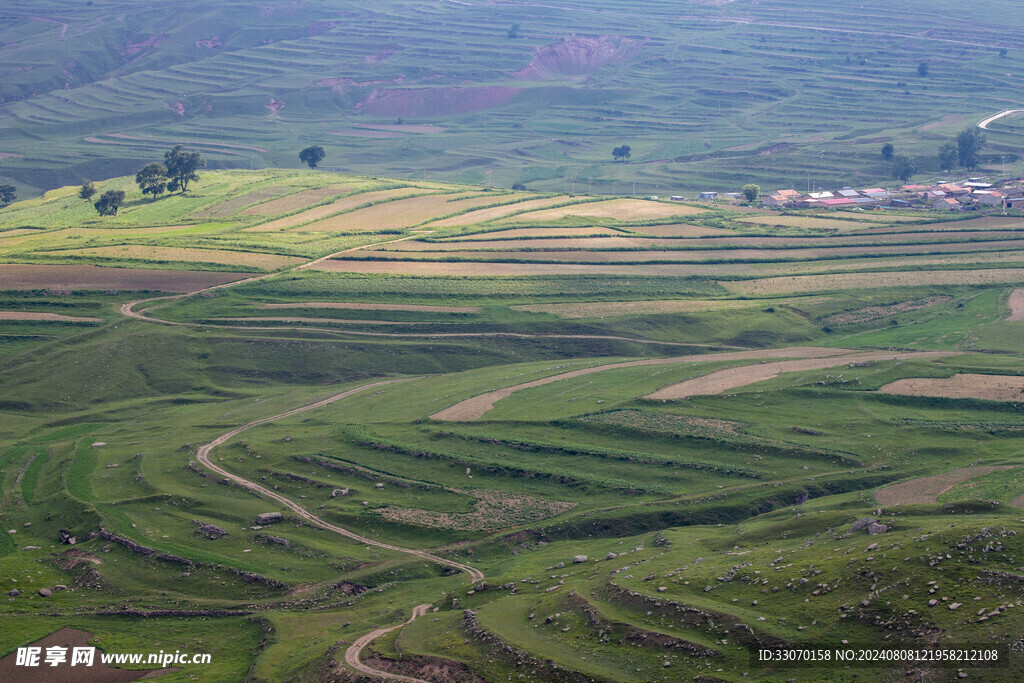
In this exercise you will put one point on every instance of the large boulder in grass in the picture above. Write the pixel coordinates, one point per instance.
(862, 523)
(268, 518)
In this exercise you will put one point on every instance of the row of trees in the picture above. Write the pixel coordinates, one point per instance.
(177, 171)
(965, 151)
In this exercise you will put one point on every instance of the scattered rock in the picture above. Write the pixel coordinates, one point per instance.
(579, 559)
(209, 530)
(862, 523)
(287, 439)
(14, 592)
(339, 492)
(954, 605)
(933, 602)
(65, 537)
(99, 444)
(45, 592)
(378, 485)
(610, 556)
(60, 587)
(268, 518)
(877, 529)
(560, 565)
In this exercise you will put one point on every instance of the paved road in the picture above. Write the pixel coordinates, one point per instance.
(984, 124)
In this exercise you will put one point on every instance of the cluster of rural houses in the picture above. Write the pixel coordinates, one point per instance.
(974, 193)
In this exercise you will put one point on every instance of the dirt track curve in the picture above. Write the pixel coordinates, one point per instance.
(352, 654)
(356, 648)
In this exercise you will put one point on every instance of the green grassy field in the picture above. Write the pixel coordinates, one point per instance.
(712, 525)
(708, 95)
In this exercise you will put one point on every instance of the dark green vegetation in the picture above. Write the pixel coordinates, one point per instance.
(708, 95)
(711, 525)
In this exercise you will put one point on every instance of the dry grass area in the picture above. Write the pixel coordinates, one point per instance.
(399, 213)
(475, 268)
(819, 283)
(509, 246)
(492, 510)
(62, 278)
(984, 223)
(1016, 305)
(668, 424)
(811, 222)
(680, 230)
(475, 407)
(953, 262)
(496, 212)
(515, 233)
(296, 201)
(726, 379)
(230, 206)
(928, 489)
(343, 204)
(301, 319)
(618, 209)
(869, 313)
(57, 317)
(17, 232)
(610, 309)
(987, 387)
(379, 307)
(148, 253)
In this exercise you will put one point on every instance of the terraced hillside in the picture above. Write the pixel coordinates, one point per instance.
(708, 95)
(577, 437)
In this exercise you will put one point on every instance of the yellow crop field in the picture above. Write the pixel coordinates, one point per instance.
(516, 233)
(398, 214)
(343, 204)
(680, 230)
(295, 201)
(495, 212)
(810, 222)
(148, 253)
(476, 268)
(619, 209)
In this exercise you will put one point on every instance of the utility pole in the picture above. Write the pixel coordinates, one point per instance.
(573, 179)
(590, 186)
(634, 187)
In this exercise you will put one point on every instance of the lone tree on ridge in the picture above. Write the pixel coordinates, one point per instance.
(888, 151)
(621, 152)
(109, 202)
(87, 190)
(182, 165)
(6, 194)
(751, 192)
(312, 155)
(152, 179)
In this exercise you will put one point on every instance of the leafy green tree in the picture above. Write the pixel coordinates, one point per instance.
(947, 156)
(518, 187)
(513, 31)
(109, 202)
(903, 167)
(182, 165)
(152, 179)
(968, 145)
(751, 192)
(888, 151)
(87, 190)
(7, 194)
(621, 152)
(312, 156)
(922, 69)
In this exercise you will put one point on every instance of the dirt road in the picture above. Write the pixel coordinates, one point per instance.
(356, 648)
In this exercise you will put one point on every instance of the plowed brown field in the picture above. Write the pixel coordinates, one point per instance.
(379, 307)
(928, 489)
(497, 212)
(343, 204)
(988, 387)
(57, 317)
(398, 214)
(149, 253)
(819, 283)
(16, 276)
(1016, 305)
(619, 209)
(294, 201)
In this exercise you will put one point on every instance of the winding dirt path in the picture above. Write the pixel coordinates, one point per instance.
(352, 654)
(356, 648)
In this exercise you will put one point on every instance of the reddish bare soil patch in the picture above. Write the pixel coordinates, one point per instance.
(474, 408)
(517, 233)
(680, 230)
(473, 268)
(150, 253)
(1016, 305)
(340, 206)
(619, 209)
(293, 201)
(967, 385)
(17, 276)
(69, 638)
(230, 206)
(615, 241)
(31, 315)
(379, 307)
(578, 57)
(429, 102)
(733, 378)
(928, 489)
(985, 223)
